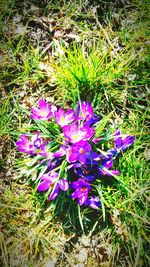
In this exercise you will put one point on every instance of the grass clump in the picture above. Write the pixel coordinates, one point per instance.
(91, 72)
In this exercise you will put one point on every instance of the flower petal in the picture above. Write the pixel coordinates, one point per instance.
(42, 104)
(76, 194)
(107, 164)
(63, 184)
(128, 141)
(43, 186)
(93, 202)
(54, 193)
(82, 199)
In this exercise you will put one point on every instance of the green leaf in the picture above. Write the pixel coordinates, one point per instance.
(42, 128)
(102, 201)
(101, 124)
(62, 168)
(80, 218)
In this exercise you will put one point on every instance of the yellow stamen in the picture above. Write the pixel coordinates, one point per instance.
(75, 137)
(62, 119)
(43, 113)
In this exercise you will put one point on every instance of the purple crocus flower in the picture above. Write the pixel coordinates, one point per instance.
(82, 189)
(51, 180)
(61, 184)
(74, 133)
(84, 111)
(34, 145)
(106, 165)
(123, 144)
(64, 118)
(39, 144)
(44, 112)
(89, 172)
(25, 145)
(29, 146)
(81, 151)
(93, 202)
(78, 152)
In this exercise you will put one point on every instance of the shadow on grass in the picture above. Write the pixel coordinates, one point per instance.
(75, 219)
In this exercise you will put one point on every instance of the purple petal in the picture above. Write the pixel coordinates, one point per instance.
(76, 194)
(63, 184)
(93, 202)
(73, 157)
(63, 118)
(24, 145)
(82, 158)
(42, 104)
(84, 111)
(123, 144)
(70, 130)
(114, 172)
(50, 177)
(110, 153)
(75, 134)
(44, 153)
(60, 116)
(93, 119)
(59, 153)
(82, 199)
(54, 193)
(36, 112)
(128, 141)
(53, 109)
(81, 183)
(117, 133)
(43, 112)
(49, 115)
(107, 164)
(23, 137)
(96, 140)
(109, 172)
(117, 139)
(94, 156)
(43, 186)
(75, 185)
(79, 152)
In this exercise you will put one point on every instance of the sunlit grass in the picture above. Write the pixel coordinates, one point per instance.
(28, 233)
(131, 223)
(35, 232)
(90, 73)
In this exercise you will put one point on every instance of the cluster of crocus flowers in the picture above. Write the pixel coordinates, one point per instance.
(75, 144)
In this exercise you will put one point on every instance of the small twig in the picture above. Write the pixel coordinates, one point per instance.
(46, 48)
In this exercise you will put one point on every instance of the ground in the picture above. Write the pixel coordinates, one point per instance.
(58, 50)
